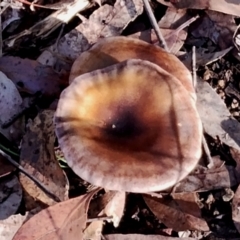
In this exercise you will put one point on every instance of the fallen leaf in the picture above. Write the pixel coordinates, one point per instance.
(38, 158)
(10, 196)
(65, 220)
(236, 209)
(32, 77)
(228, 7)
(204, 179)
(106, 21)
(10, 99)
(216, 118)
(218, 27)
(9, 226)
(183, 209)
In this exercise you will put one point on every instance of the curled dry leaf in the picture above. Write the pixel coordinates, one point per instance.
(38, 158)
(180, 211)
(32, 77)
(216, 118)
(228, 7)
(141, 237)
(10, 196)
(65, 220)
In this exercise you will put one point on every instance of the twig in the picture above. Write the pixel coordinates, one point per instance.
(155, 26)
(35, 180)
(99, 219)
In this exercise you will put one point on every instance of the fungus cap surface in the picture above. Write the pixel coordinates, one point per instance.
(129, 127)
(112, 50)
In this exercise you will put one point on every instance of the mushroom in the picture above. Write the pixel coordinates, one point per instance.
(112, 50)
(130, 125)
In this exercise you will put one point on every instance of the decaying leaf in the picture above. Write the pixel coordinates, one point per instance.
(65, 220)
(236, 209)
(104, 22)
(216, 118)
(10, 99)
(31, 76)
(216, 26)
(204, 179)
(38, 158)
(9, 226)
(183, 209)
(228, 7)
(111, 204)
(10, 196)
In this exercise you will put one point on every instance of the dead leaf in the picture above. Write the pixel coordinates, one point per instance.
(141, 237)
(236, 209)
(65, 220)
(9, 226)
(216, 118)
(111, 204)
(106, 21)
(32, 77)
(218, 27)
(223, 6)
(38, 158)
(179, 212)
(10, 99)
(204, 179)
(10, 196)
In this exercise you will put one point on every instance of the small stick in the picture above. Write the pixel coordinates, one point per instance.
(99, 219)
(194, 82)
(155, 26)
(35, 180)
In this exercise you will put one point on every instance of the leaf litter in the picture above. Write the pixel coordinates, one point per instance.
(200, 206)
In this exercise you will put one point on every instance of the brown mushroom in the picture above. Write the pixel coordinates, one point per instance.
(131, 126)
(112, 50)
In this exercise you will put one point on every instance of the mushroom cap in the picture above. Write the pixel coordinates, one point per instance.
(129, 127)
(112, 50)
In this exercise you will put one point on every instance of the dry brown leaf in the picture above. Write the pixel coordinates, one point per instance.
(9, 226)
(216, 118)
(10, 196)
(180, 212)
(204, 179)
(65, 220)
(111, 204)
(224, 6)
(141, 237)
(236, 209)
(104, 22)
(32, 77)
(38, 158)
